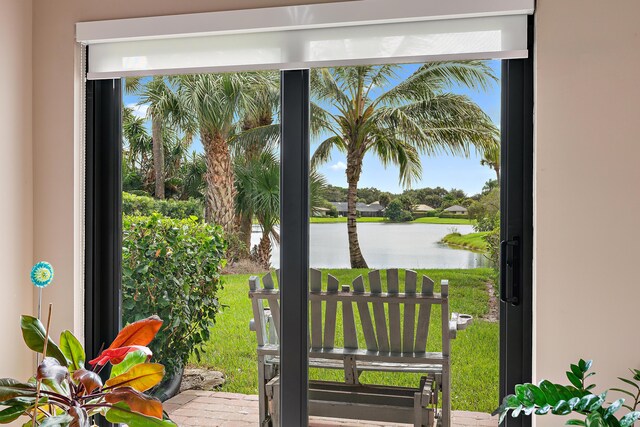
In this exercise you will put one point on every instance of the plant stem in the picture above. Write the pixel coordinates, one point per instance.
(44, 354)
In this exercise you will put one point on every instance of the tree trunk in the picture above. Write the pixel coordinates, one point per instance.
(245, 227)
(219, 200)
(263, 252)
(497, 169)
(354, 169)
(158, 155)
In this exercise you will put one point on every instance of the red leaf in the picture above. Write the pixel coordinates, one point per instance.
(141, 332)
(137, 401)
(89, 379)
(117, 355)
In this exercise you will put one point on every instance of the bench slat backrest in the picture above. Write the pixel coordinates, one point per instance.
(393, 327)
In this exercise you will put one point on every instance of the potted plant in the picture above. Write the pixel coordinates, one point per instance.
(68, 390)
(576, 399)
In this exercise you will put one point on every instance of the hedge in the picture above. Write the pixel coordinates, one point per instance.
(145, 206)
(172, 268)
(452, 215)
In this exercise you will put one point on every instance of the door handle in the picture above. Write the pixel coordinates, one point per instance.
(509, 266)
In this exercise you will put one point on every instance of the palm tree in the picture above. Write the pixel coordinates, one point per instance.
(165, 110)
(258, 191)
(255, 136)
(491, 158)
(257, 184)
(365, 113)
(215, 101)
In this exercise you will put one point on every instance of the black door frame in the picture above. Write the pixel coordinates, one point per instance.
(516, 227)
(103, 213)
(103, 229)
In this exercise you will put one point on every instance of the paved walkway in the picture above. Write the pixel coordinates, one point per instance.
(194, 408)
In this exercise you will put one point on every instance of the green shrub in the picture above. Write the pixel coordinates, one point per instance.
(452, 215)
(395, 212)
(172, 268)
(144, 206)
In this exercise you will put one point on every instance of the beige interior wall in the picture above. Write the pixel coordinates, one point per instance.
(16, 220)
(587, 197)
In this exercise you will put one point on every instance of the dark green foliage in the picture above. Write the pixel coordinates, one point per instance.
(396, 212)
(145, 206)
(172, 268)
(486, 211)
(576, 399)
(451, 215)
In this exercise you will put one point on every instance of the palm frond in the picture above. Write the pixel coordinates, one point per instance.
(435, 77)
(263, 138)
(323, 152)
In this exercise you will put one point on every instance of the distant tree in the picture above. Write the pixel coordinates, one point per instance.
(491, 158)
(385, 198)
(407, 202)
(490, 185)
(396, 212)
(335, 194)
(369, 194)
(486, 211)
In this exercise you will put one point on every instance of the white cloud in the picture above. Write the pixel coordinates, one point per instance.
(139, 110)
(338, 166)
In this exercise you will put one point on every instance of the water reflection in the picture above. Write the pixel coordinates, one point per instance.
(386, 246)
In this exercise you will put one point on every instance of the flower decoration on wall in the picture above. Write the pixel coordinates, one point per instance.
(42, 274)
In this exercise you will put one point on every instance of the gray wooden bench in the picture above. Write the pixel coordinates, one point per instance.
(395, 340)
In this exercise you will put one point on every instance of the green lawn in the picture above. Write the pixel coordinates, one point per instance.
(232, 348)
(429, 220)
(473, 241)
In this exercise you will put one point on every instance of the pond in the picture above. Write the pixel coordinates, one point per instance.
(408, 245)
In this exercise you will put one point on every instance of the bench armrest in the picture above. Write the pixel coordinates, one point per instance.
(458, 322)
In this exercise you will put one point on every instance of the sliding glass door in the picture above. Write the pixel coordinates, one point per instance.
(266, 260)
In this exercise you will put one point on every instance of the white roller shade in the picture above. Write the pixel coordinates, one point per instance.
(305, 36)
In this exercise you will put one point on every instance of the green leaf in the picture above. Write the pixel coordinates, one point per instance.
(537, 394)
(523, 395)
(564, 392)
(12, 413)
(613, 408)
(629, 419)
(577, 371)
(586, 402)
(574, 379)
(573, 402)
(550, 392)
(120, 413)
(130, 360)
(595, 420)
(33, 334)
(543, 410)
(10, 388)
(72, 350)
(57, 421)
(575, 423)
(561, 408)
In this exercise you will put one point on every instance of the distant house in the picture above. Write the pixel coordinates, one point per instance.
(457, 209)
(421, 209)
(317, 211)
(375, 209)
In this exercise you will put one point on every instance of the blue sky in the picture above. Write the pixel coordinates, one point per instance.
(437, 171)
